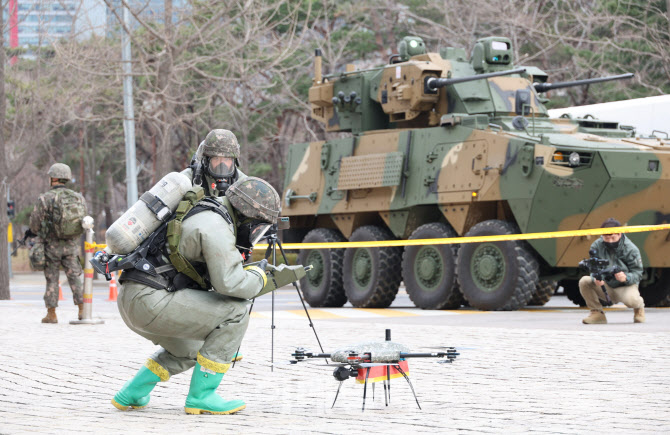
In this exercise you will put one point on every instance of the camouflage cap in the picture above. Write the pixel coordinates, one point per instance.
(60, 171)
(222, 143)
(255, 198)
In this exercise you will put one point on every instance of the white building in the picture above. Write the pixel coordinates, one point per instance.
(645, 114)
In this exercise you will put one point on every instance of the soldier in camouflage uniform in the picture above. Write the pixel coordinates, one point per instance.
(194, 327)
(218, 156)
(58, 252)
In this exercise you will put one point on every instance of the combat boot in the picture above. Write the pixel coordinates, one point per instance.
(596, 317)
(202, 397)
(135, 393)
(638, 316)
(51, 316)
(81, 311)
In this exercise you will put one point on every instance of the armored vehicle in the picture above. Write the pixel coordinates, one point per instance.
(443, 145)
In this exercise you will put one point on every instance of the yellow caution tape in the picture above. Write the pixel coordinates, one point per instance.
(88, 246)
(478, 239)
(453, 240)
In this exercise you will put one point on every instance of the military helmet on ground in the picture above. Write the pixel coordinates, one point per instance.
(222, 143)
(60, 171)
(255, 198)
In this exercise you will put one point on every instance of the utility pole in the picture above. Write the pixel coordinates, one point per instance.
(128, 111)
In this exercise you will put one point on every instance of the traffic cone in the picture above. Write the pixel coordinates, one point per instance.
(60, 292)
(112, 290)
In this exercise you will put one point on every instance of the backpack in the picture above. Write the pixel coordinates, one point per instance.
(37, 255)
(68, 210)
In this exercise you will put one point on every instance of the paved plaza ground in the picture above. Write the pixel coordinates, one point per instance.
(598, 379)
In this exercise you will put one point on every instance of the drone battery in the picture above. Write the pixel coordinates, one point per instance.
(382, 372)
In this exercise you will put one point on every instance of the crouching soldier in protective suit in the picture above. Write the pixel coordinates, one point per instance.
(198, 326)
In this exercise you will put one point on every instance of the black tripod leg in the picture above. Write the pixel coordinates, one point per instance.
(297, 289)
(337, 394)
(272, 249)
(365, 388)
(402, 372)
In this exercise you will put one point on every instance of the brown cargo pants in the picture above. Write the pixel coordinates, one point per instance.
(629, 295)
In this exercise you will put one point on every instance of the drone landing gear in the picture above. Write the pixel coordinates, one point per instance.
(387, 386)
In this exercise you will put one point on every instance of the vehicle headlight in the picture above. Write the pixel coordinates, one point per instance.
(574, 159)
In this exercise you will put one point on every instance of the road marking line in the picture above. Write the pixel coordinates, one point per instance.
(316, 314)
(385, 312)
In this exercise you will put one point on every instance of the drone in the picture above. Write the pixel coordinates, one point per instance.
(372, 362)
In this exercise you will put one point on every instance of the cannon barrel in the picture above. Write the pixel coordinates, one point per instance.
(544, 87)
(433, 83)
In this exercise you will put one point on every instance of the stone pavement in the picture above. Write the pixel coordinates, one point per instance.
(60, 379)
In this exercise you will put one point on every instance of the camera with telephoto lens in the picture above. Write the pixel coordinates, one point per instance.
(598, 267)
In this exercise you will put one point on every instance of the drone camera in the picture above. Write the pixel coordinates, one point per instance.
(341, 374)
(344, 373)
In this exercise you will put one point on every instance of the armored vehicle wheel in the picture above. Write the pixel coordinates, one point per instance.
(322, 286)
(544, 292)
(655, 290)
(429, 272)
(500, 275)
(571, 289)
(371, 275)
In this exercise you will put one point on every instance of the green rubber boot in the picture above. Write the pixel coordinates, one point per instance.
(237, 357)
(135, 393)
(202, 397)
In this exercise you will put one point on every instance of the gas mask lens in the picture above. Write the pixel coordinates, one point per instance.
(221, 167)
(257, 232)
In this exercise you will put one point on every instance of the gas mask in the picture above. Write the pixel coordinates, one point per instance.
(221, 170)
(250, 232)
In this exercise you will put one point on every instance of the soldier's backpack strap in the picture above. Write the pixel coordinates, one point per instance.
(174, 229)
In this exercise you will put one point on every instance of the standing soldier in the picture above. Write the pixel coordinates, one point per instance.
(57, 220)
(215, 164)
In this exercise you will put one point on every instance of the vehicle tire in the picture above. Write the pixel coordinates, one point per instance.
(497, 275)
(322, 286)
(429, 271)
(655, 290)
(571, 289)
(544, 292)
(371, 275)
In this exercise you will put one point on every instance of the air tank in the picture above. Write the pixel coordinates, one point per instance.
(153, 208)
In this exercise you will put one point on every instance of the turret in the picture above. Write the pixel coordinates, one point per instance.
(417, 88)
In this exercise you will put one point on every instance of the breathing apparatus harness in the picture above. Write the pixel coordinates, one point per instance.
(157, 262)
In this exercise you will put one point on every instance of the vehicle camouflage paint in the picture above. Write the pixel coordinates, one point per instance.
(445, 146)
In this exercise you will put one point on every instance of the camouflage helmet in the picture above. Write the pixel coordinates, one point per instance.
(222, 143)
(255, 198)
(60, 171)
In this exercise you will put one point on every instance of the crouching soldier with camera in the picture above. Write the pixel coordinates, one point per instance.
(620, 286)
(197, 306)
